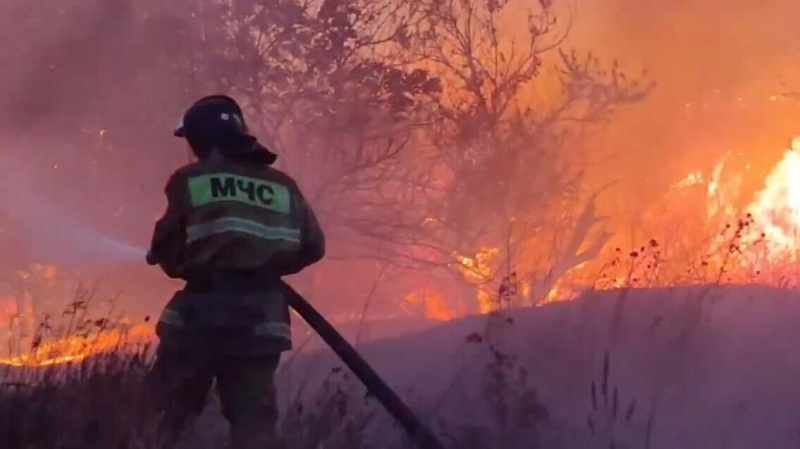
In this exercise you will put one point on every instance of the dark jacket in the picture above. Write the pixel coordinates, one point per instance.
(232, 229)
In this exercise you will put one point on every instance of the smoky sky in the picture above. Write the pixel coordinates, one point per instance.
(88, 102)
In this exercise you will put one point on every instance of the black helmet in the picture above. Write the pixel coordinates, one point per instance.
(210, 117)
(217, 121)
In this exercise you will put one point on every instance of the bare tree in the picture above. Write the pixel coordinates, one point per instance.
(328, 83)
(413, 125)
(505, 171)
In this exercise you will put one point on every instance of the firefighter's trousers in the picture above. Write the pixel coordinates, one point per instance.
(246, 388)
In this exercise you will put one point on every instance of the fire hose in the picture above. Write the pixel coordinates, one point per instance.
(376, 386)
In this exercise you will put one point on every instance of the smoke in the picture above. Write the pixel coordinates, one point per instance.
(85, 103)
(112, 75)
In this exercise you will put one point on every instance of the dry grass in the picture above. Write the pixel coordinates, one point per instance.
(99, 402)
(76, 380)
(514, 417)
(611, 417)
(102, 402)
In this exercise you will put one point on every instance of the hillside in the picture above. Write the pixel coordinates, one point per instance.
(717, 367)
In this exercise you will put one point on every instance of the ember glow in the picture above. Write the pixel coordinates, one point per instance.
(8, 308)
(77, 348)
(432, 305)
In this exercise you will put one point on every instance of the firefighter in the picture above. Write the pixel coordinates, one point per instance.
(234, 226)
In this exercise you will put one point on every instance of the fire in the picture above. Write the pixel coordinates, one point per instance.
(775, 212)
(719, 196)
(80, 347)
(433, 305)
(777, 207)
(692, 179)
(480, 268)
(733, 241)
(8, 308)
(485, 302)
(719, 193)
(702, 232)
(557, 293)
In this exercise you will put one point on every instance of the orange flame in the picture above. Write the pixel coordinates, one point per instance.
(433, 305)
(78, 347)
(485, 302)
(480, 268)
(775, 211)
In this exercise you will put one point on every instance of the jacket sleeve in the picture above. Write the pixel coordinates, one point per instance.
(169, 237)
(311, 236)
(312, 239)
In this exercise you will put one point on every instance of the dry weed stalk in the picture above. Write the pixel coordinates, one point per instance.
(609, 416)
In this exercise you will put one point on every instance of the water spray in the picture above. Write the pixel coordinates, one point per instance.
(54, 233)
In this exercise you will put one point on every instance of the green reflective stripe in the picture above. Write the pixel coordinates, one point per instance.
(273, 330)
(207, 189)
(171, 317)
(232, 224)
